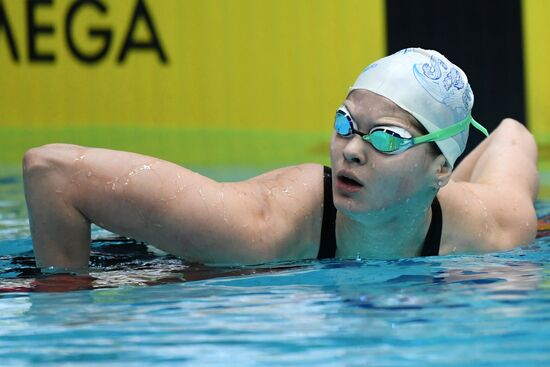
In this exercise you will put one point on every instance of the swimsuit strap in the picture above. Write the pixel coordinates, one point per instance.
(433, 237)
(327, 247)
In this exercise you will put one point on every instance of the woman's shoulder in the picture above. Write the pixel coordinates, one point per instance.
(306, 172)
(479, 217)
(292, 208)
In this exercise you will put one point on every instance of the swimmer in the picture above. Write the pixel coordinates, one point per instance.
(392, 191)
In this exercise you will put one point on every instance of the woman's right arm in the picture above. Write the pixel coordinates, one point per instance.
(68, 187)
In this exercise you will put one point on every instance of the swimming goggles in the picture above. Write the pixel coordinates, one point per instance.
(393, 139)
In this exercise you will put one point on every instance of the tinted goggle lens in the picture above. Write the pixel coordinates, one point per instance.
(342, 124)
(385, 141)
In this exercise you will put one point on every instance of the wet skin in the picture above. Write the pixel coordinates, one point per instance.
(383, 200)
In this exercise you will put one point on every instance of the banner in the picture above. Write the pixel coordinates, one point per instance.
(167, 70)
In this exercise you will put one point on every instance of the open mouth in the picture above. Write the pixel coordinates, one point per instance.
(347, 184)
(349, 181)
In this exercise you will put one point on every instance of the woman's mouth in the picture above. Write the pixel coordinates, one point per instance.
(347, 184)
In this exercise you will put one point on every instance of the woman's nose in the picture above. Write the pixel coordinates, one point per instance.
(354, 151)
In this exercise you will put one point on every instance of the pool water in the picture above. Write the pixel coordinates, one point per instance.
(142, 307)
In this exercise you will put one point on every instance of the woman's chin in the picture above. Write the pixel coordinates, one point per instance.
(350, 206)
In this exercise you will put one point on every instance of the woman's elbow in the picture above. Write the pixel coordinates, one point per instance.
(39, 162)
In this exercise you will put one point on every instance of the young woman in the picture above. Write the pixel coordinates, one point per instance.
(392, 191)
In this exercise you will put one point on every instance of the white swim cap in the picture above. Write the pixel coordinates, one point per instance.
(428, 86)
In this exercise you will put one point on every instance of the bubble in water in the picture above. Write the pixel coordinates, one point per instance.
(358, 257)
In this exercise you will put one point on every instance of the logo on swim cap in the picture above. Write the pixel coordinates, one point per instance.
(445, 84)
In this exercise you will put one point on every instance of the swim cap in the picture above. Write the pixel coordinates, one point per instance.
(428, 86)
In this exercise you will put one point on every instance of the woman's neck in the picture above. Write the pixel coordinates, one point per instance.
(393, 232)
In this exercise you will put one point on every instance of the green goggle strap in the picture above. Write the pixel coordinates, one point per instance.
(450, 131)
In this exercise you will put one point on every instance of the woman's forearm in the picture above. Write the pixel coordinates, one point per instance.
(60, 232)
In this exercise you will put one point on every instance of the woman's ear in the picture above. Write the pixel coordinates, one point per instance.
(442, 171)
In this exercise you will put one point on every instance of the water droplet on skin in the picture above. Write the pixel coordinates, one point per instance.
(222, 201)
(80, 158)
(59, 191)
(180, 185)
(89, 174)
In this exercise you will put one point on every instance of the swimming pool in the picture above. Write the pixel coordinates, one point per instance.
(141, 307)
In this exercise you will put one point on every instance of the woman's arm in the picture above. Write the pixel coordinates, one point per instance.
(492, 192)
(67, 187)
(512, 152)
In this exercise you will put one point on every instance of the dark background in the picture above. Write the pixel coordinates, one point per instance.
(483, 37)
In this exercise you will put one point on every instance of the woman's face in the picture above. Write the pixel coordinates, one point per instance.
(366, 180)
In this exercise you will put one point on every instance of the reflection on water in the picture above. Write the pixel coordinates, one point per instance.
(451, 310)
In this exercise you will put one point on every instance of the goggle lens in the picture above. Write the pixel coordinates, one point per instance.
(342, 125)
(384, 141)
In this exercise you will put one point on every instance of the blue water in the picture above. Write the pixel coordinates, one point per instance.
(140, 307)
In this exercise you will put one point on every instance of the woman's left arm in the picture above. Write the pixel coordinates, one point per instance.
(492, 192)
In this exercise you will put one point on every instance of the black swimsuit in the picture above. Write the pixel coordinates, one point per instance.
(327, 248)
